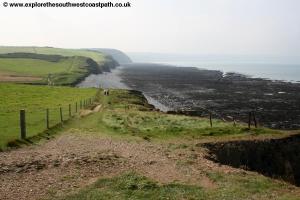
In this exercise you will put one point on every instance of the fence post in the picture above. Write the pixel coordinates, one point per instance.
(80, 104)
(254, 119)
(249, 120)
(23, 124)
(47, 118)
(61, 115)
(234, 122)
(210, 120)
(76, 109)
(70, 112)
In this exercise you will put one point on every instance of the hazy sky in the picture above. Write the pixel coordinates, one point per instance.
(259, 27)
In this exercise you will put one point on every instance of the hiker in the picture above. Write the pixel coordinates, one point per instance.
(106, 92)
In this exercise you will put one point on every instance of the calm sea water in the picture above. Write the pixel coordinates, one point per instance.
(285, 72)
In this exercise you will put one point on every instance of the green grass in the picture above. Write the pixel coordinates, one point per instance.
(236, 186)
(66, 71)
(35, 67)
(73, 67)
(228, 187)
(126, 113)
(63, 70)
(35, 100)
(97, 56)
(133, 186)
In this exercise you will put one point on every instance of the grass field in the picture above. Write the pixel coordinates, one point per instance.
(97, 56)
(35, 100)
(230, 187)
(28, 64)
(127, 113)
(124, 113)
(63, 72)
(35, 68)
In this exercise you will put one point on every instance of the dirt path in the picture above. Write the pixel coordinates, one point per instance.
(10, 77)
(72, 161)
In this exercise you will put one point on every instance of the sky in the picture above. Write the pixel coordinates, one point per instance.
(235, 27)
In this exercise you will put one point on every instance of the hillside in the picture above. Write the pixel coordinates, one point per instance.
(98, 57)
(104, 62)
(45, 69)
(119, 56)
(126, 150)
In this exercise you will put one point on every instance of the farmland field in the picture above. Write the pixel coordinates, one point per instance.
(35, 68)
(97, 56)
(35, 100)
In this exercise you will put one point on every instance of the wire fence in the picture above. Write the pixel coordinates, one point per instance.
(30, 122)
(249, 118)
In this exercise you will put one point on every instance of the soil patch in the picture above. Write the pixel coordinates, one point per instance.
(277, 158)
(6, 77)
(73, 160)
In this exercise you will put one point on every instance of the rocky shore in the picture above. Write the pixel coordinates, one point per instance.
(228, 96)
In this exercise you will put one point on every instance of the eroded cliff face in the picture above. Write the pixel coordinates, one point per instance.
(276, 158)
(117, 55)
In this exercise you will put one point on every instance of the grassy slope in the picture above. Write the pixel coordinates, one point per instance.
(34, 67)
(97, 63)
(127, 114)
(97, 56)
(64, 72)
(35, 99)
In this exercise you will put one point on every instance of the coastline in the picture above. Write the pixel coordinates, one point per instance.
(113, 80)
(189, 89)
(199, 92)
(268, 71)
(106, 80)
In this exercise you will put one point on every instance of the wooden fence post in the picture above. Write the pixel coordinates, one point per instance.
(234, 122)
(80, 104)
(249, 120)
(47, 118)
(254, 119)
(210, 120)
(61, 114)
(70, 111)
(76, 109)
(23, 124)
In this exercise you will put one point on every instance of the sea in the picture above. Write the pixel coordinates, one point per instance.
(273, 68)
(282, 72)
